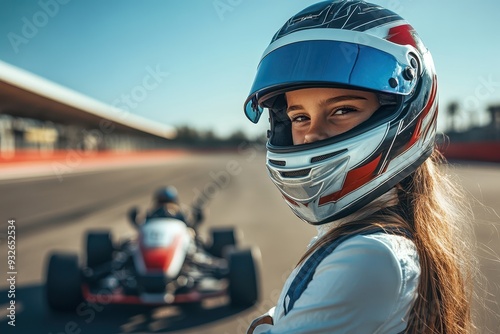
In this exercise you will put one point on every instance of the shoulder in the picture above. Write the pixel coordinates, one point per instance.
(379, 246)
(371, 274)
(379, 256)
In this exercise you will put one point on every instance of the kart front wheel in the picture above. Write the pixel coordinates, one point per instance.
(99, 248)
(243, 276)
(63, 286)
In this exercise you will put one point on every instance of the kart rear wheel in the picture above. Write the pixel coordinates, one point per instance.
(243, 276)
(63, 285)
(222, 237)
(99, 248)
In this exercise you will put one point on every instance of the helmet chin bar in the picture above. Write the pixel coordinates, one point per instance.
(307, 215)
(306, 177)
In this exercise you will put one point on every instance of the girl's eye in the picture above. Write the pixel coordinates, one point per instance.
(344, 110)
(299, 118)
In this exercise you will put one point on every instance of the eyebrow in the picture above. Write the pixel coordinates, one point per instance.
(331, 100)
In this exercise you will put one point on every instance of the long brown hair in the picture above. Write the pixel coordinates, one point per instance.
(432, 208)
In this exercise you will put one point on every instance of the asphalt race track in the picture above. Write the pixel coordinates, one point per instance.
(53, 214)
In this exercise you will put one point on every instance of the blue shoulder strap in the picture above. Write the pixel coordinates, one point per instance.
(306, 273)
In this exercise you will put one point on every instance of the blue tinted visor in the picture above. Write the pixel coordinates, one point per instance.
(324, 63)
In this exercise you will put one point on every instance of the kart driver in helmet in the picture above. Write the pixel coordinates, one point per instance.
(166, 204)
(351, 92)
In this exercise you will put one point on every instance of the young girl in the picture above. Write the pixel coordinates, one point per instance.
(352, 98)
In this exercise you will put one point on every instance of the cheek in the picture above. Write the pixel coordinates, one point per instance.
(297, 137)
(356, 120)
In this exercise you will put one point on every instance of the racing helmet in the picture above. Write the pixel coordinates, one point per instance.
(166, 195)
(357, 45)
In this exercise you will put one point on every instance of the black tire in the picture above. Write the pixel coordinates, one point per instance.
(63, 285)
(222, 237)
(99, 248)
(191, 308)
(243, 276)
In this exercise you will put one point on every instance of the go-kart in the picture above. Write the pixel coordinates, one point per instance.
(165, 264)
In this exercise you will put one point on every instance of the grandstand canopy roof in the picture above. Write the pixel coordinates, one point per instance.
(25, 94)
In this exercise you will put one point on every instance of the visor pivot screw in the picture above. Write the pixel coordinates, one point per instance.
(393, 82)
(409, 73)
(413, 63)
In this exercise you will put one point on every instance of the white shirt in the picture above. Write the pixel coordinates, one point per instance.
(367, 285)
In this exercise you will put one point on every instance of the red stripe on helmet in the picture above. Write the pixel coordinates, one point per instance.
(418, 127)
(402, 35)
(291, 201)
(354, 179)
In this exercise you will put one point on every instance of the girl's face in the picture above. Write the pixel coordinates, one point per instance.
(320, 113)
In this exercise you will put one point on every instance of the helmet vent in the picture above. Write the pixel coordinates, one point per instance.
(326, 156)
(278, 162)
(296, 173)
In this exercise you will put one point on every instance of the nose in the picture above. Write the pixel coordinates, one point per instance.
(317, 131)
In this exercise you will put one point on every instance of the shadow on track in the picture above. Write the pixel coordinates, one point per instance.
(33, 316)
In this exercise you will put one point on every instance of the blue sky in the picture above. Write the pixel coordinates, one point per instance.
(205, 52)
